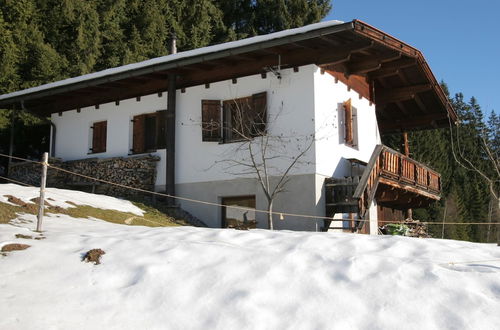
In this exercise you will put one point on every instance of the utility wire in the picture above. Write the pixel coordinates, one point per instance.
(305, 216)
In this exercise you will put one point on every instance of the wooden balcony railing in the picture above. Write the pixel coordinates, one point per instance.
(398, 166)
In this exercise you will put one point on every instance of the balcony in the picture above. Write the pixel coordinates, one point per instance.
(391, 179)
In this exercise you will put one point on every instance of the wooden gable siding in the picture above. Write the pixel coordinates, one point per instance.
(356, 82)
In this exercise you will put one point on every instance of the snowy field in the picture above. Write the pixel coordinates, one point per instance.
(194, 278)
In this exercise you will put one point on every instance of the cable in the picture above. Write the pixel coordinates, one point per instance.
(18, 182)
(18, 158)
(305, 216)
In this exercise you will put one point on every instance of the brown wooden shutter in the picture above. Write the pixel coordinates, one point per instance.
(226, 120)
(99, 135)
(259, 114)
(349, 136)
(161, 132)
(211, 120)
(138, 134)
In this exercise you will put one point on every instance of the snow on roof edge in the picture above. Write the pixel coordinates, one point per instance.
(173, 57)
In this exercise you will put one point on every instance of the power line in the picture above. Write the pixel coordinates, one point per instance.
(281, 214)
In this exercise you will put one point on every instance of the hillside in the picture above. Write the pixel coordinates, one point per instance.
(16, 199)
(199, 278)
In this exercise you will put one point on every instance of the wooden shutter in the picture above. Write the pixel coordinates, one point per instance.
(161, 131)
(211, 126)
(259, 104)
(349, 136)
(150, 135)
(138, 141)
(99, 135)
(226, 120)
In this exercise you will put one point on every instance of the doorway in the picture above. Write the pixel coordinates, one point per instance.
(238, 218)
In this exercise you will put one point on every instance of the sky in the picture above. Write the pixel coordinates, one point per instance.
(460, 39)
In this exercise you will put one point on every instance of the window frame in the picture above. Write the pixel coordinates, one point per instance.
(139, 143)
(254, 113)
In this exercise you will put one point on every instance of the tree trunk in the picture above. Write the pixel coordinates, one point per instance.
(270, 214)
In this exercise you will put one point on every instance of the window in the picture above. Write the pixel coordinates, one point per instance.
(99, 136)
(148, 132)
(238, 218)
(348, 119)
(234, 120)
(211, 120)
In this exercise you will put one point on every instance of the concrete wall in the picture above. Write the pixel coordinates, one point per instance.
(299, 198)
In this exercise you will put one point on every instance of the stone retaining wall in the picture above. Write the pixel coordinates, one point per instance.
(135, 171)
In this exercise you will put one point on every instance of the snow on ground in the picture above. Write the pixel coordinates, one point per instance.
(198, 278)
(59, 197)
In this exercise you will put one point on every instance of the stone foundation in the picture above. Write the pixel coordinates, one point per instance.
(136, 171)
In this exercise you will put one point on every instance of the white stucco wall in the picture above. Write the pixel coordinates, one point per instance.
(290, 100)
(301, 104)
(331, 151)
(290, 113)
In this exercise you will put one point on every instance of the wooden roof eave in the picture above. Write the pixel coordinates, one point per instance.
(333, 45)
(366, 30)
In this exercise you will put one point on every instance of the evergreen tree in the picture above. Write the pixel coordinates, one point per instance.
(9, 77)
(244, 18)
(113, 18)
(72, 28)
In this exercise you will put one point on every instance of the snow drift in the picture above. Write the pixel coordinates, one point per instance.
(197, 278)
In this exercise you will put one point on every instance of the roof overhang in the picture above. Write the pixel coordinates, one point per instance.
(406, 93)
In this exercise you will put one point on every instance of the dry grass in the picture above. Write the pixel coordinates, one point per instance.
(151, 218)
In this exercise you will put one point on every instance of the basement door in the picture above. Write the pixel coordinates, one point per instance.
(238, 218)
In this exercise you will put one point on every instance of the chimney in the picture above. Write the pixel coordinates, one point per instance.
(172, 49)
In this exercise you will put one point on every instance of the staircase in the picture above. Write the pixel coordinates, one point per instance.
(391, 178)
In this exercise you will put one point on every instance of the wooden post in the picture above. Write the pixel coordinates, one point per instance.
(409, 212)
(43, 182)
(170, 131)
(405, 143)
(11, 140)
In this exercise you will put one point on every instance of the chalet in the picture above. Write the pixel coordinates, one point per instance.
(346, 84)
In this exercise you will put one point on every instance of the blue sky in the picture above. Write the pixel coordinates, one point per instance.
(460, 39)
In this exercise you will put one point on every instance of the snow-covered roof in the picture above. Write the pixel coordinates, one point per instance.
(199, 52)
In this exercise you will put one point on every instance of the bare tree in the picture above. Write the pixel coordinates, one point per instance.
(270, 158)
(492, 180)
(461, 158)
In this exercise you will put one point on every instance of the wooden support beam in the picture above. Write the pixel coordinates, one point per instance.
(329, 41)
(373, 63)
(335, 60)
(243, 57)
(408, 188)
(342, 52)
(383, 73)
(400, 94)
(405, 144)
(411, 122)
(398, 64)
(85, 98)
(291, 58)
(170, 130)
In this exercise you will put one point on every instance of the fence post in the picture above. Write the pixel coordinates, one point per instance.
(43, 182)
